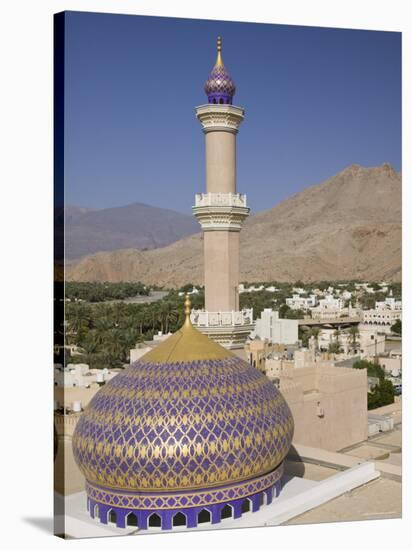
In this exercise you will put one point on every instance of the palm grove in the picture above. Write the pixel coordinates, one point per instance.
(104, 333)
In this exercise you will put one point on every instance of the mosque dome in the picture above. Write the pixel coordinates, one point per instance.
(220, 87)
(188, 429)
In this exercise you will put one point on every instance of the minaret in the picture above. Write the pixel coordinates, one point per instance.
(221, 212)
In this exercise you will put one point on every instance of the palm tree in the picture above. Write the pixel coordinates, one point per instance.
(315, 333)
(337, 334)
(354, 332)
(78, 320)
(90, 346)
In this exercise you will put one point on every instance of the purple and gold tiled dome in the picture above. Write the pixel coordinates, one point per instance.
(220, 87)
(188, 433)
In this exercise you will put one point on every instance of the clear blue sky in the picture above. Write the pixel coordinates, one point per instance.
(316, 100)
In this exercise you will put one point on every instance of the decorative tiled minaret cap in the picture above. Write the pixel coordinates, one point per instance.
(220, 87)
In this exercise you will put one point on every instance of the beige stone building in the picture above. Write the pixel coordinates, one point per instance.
(67, 476)
(329, 405)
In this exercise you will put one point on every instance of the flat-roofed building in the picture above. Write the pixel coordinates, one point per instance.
(276, 331)
(328, 404)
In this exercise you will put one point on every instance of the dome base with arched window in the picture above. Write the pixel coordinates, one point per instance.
(190, 509)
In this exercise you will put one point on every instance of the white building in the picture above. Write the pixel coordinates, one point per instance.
(389, 303)
(368, 342)
(299, 302)
(381, 319)
(252, 288)
(331, 308)
(272, 289)
(346, 295)
(392, 364)
(329, 302)
(193, 291)
(276, 331)
(298, 290)
(78, 375)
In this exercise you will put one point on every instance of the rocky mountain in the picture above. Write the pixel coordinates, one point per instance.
(348, 227)
(133, 226)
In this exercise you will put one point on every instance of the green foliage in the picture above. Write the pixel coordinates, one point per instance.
(285, 312)
(396, 290)
(381, 395)
(368, 301)
(257, 300)
(397, 327)
(375, 286)
(334, 347)
(294, 314)
(105, 332)
(384, 392)
(100, 292)
(374, 369)
(304, 335)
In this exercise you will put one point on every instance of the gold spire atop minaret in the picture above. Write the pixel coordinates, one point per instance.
(219, 60)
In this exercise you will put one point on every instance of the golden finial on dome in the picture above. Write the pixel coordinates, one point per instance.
(188, 310)
(187, 344)
(219, 61)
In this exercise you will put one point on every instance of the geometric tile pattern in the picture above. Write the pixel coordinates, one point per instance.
(220, 84)
(167, 501)
(160, 427)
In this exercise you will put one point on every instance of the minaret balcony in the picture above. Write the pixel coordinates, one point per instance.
(201, 318)
(215, 118)
(220, 211)
(220, 199)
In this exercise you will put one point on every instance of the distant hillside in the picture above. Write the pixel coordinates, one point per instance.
(136, 226)
(348, 227)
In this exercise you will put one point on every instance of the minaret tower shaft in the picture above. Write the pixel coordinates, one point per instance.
(221, 212)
